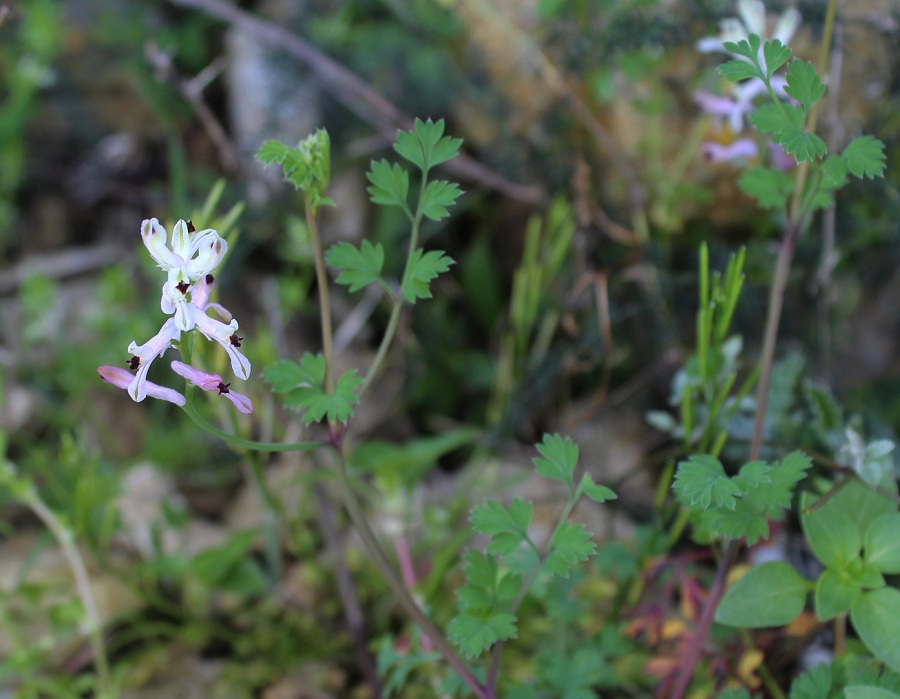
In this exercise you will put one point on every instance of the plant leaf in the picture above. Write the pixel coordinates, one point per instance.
(874, 615)
(769, 594)
(359, 266)
(570, 544)
(438, 195)
(390, 184)
(701, 480)
(769, 186)
(507, 527)
(424, 266)
(804, 84)
(865, 157)
(558, 458)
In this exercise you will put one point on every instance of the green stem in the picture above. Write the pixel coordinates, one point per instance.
(201, 422)
(380, 559)
(324, 302)
(66, 540)
(394, 320)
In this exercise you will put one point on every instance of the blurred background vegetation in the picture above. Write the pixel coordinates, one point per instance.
(570, 308)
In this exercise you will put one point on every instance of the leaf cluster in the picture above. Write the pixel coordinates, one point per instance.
(498, 578)
(306, 166)
(424, 146)
(303, 384)
(787, 124)
(742, 505)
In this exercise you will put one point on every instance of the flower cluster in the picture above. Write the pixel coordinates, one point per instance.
(189, 260)
(729, 112)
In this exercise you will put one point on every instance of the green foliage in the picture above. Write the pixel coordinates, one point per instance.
(874, 615)
(804, 84)
(770, 186)
(304, 387)
(507, 527)
(740, 506)
(423, 268)
(426, 146)
(359, 266)
(865, 157)
(307, 166)
(558, 458)
(484, 604)
(488, 601)
(769, 594)
(570, 543)
(390, 184)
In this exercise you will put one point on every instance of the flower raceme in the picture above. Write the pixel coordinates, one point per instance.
(188, 259)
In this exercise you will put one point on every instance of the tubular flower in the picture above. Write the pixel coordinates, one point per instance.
(188, 259)
(213, 382)
(142, 357)
(191, 255)
(122, 378)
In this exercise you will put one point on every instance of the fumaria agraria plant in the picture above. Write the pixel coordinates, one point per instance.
(499, 578)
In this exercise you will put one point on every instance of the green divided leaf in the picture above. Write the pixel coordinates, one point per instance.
(475, 634)
(426, 146)
(390, 184)
(865, 157)
(286, 375)
(748, 48)
(558, 458)
(785, 475)
(771, 118)
(804, 84)
(438, 195)
(483, 617)
(597, 493)
(803, 146)
(303, 385)
(359, 266)
(507, 527)
(570, 544)
(735, 71)
(815, 683)
(769, 186)
(702, 481)
(776, 55)
(424, 266)
(769, 594)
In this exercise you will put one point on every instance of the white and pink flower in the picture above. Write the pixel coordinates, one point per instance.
(189, 259)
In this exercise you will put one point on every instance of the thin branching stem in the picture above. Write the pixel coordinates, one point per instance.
(324, 301)
(380, 559)
(66, 539)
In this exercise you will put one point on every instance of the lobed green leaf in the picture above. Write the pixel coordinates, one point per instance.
(438, 195)
(390, 184)
(424, 266)
(771, 187)
(775, 55)
(507, 527)
(570, 543)
(359, 266)
(558, 458)
(865, 157)
(701, 480)
(804, 84)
